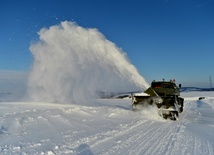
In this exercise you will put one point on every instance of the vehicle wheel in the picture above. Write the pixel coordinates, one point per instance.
(181, 109)
(174, 115)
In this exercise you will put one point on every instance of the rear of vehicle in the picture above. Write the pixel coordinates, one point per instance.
(165, 95)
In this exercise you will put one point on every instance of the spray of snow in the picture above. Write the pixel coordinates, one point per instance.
(72, 64)
(151, 113)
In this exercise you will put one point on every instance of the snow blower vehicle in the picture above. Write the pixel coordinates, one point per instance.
(165, 95)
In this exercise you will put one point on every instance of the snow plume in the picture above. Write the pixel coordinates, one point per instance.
(73, 64)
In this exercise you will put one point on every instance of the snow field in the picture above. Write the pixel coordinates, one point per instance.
(107, 127)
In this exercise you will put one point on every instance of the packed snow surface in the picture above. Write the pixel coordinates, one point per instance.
(106, 127)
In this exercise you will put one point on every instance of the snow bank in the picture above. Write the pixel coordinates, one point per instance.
(72, 64)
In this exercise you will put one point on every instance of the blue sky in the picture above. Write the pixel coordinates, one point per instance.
(162, 38)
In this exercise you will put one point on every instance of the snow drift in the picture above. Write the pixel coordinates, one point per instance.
(72, 64)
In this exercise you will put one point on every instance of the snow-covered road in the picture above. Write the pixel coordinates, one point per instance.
(108, 127)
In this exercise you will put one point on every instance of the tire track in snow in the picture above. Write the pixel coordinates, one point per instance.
(105, 131)
(160, 142)
(103, 140)
(137, 139)
(191, 141)
(167, 140)
(121, 140)
(146, 137)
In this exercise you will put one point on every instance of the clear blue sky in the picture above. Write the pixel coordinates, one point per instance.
(162, 38)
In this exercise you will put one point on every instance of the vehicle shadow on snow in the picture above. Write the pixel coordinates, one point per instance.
(84, 149)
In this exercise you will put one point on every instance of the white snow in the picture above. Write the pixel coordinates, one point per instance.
(71, 66)
(141, 94)
(108, 127)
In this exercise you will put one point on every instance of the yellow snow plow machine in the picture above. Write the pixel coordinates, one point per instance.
(164, 95)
